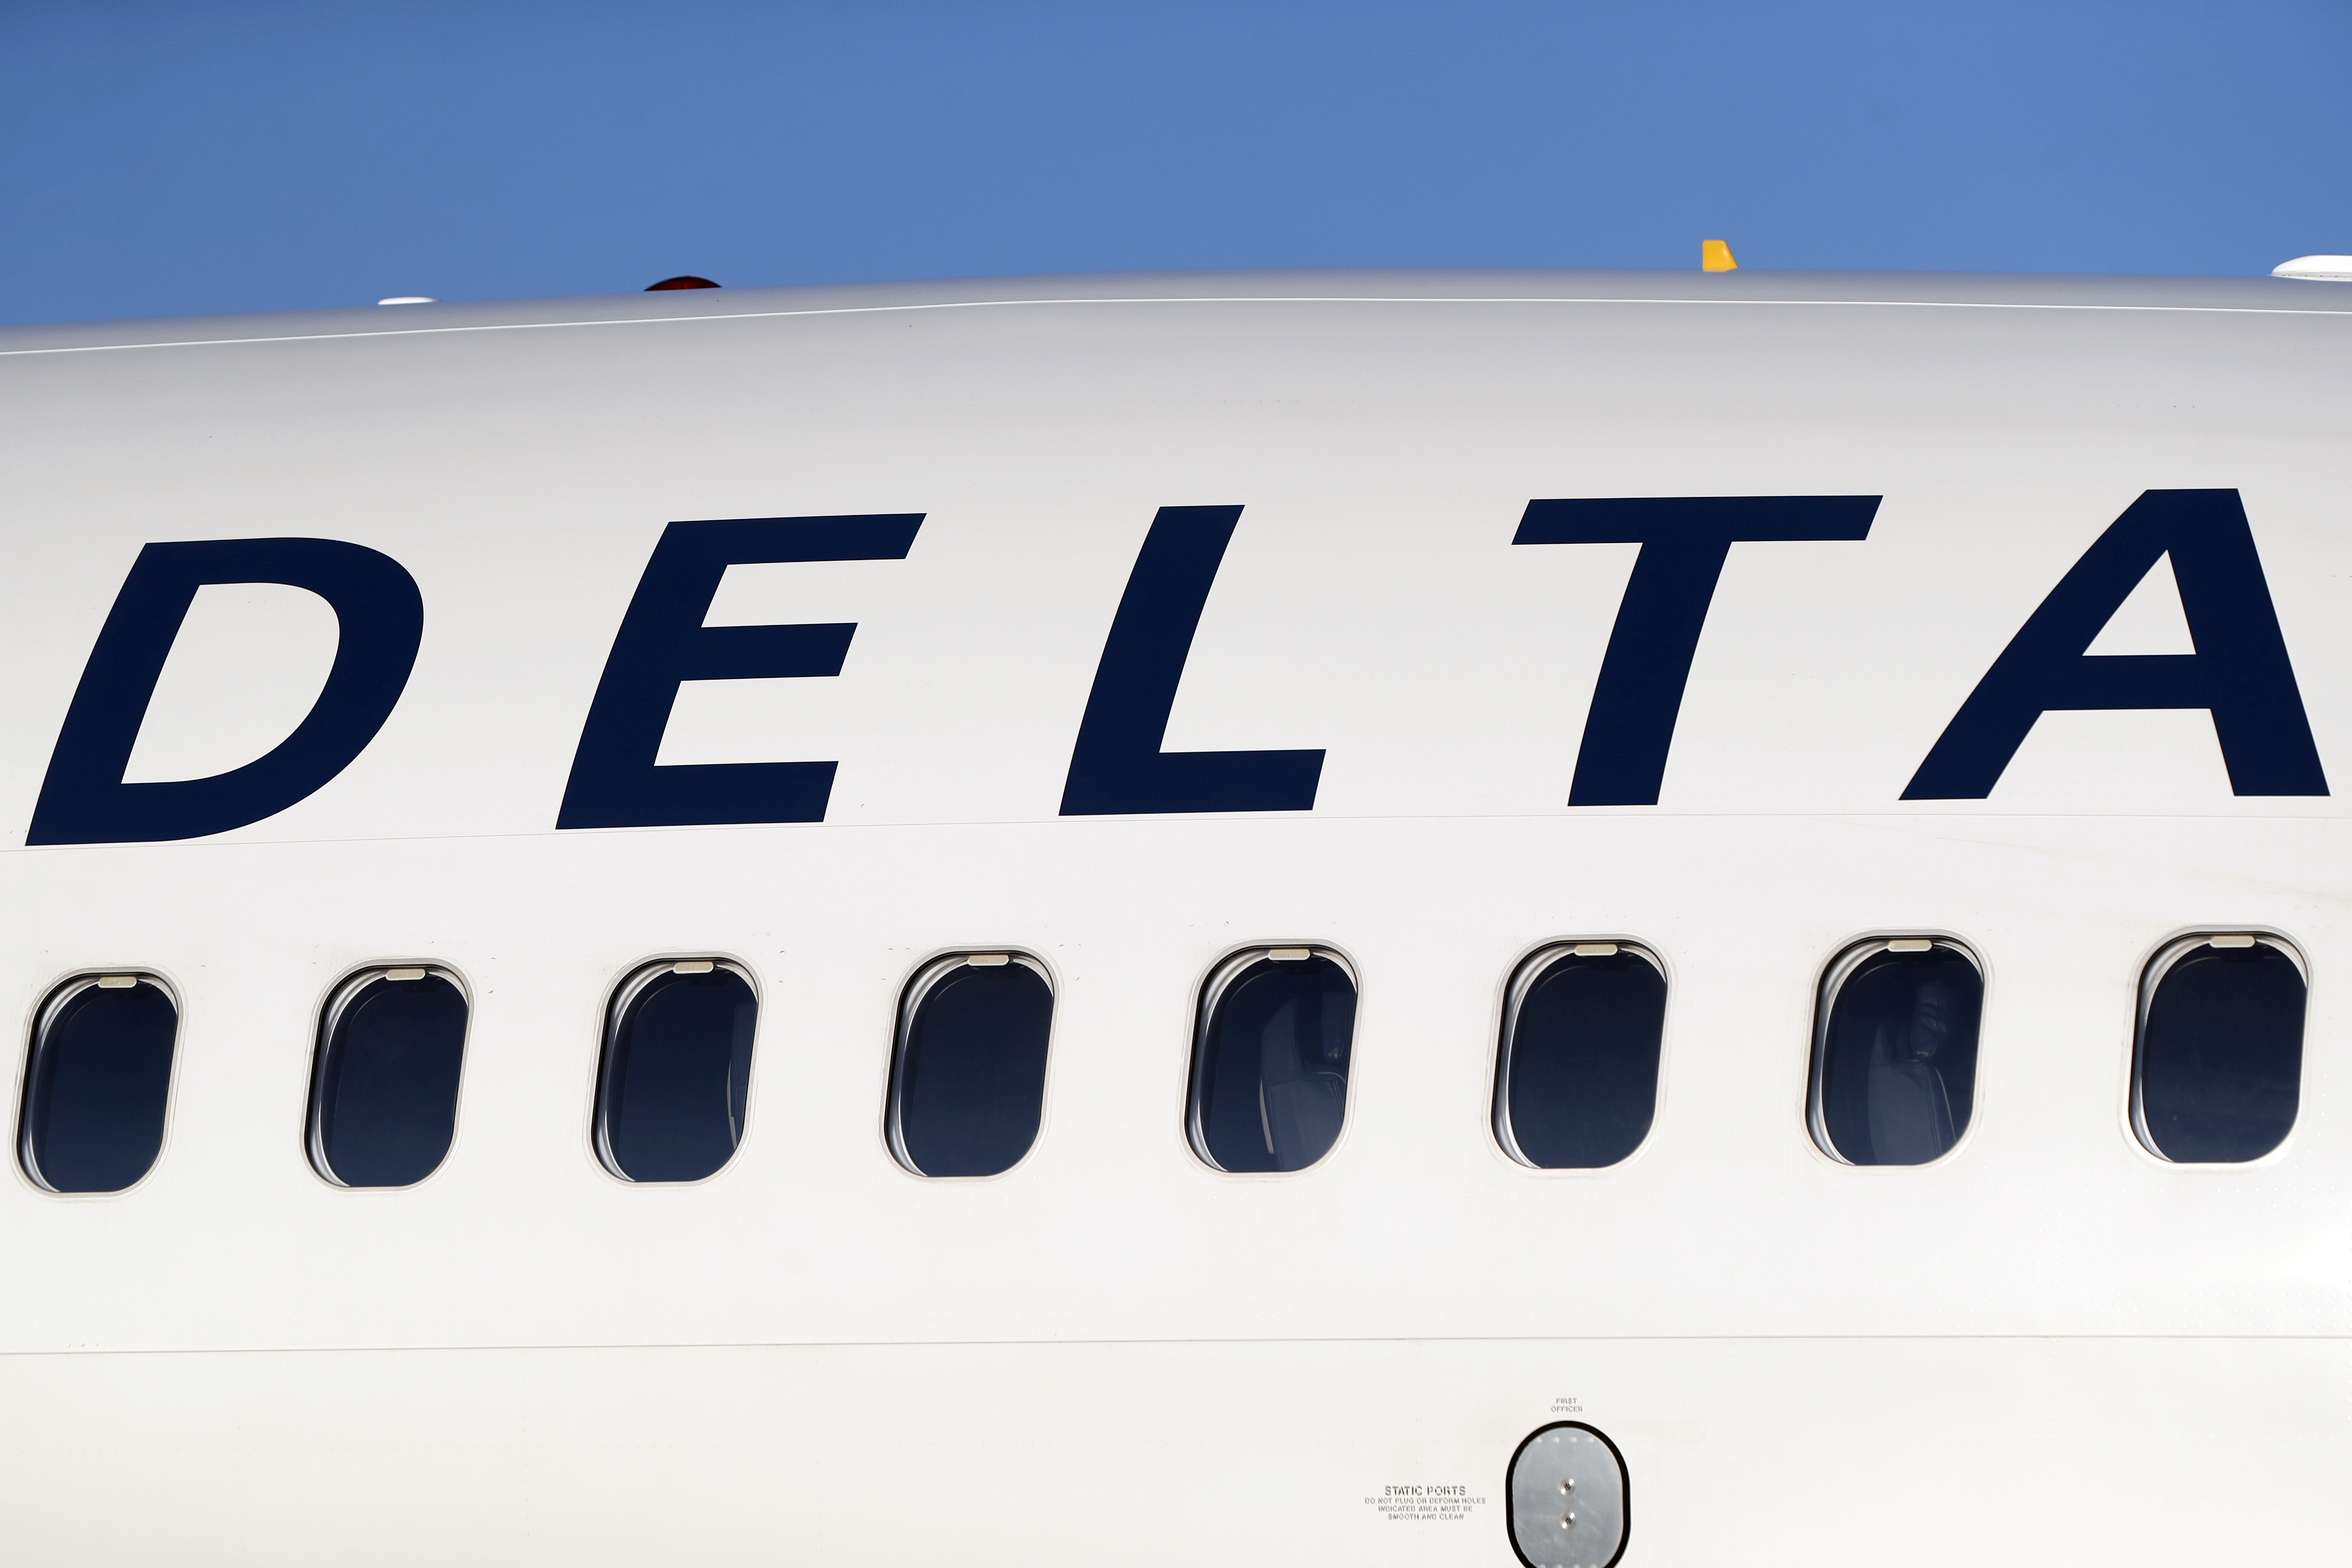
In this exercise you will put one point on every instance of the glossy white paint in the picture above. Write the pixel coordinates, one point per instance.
(2049, 1347)
(2316, 268)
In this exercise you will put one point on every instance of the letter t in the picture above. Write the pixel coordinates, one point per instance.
(1685, 540)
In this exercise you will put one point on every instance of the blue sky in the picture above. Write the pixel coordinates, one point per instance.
(190, 157)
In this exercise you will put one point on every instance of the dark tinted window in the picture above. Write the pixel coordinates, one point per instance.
(1270, 1062)
(2219, 1068)
(384, 1095)
(1577, 1077)
(967, 1084)
(677, 1062)
(1895, 1054)
(96, 1086)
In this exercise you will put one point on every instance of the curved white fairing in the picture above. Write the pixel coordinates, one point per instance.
(2051, 1345)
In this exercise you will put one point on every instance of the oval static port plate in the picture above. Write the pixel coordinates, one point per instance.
(1569, 1501)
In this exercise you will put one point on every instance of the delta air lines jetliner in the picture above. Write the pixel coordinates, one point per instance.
(1397, 919)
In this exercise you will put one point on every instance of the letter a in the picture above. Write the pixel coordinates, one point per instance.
(2239, 671)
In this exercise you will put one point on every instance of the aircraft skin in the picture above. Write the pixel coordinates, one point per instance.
(2050, 1345)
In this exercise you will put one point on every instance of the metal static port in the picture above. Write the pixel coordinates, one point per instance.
(1568, 1498)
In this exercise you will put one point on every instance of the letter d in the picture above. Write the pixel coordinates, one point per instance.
(381, 620)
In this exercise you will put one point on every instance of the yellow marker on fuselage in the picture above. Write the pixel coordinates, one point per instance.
(1714, 256)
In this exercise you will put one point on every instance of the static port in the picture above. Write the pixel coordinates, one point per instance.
(1569, 1499)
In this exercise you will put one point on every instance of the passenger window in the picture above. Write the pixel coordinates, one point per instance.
(968, 1077)
(383, 1081)
(1269, 1088)
(96, 1085)
(676, 1072)
(1894, 1051)
(2217, 1070)
(1576, 1082)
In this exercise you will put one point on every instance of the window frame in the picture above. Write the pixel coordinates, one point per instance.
(1520, 980)
(1834, 974)
(925, 979)
(1210, 991)
(2151, 974)
(330, 1011)
(634, 981)
(59, 992)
